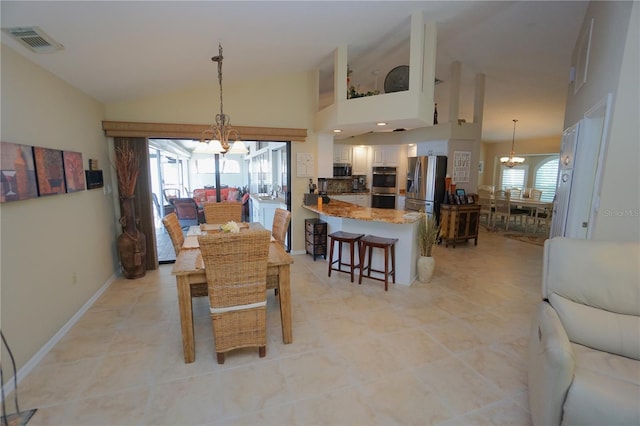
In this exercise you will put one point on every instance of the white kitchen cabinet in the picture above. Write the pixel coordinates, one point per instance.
(412, 150)
(347, 198)
(385, 156)
(360, 161)
(342, 153)
(400, 202)
(363, 200)
(265, 210)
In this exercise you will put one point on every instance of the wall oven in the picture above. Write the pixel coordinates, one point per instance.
(383, 188)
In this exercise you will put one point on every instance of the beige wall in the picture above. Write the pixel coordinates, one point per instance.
(491, 152)
(613, 68)
(56, 251)
(281, 101)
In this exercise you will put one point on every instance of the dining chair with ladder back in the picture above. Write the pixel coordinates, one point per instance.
(281, 220)
(535, 194)
(487, 205)
(172, 225)
(506, 210)
(515, 193)
(222, 212)
(236, 269)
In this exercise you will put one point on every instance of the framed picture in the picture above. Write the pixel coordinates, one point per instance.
(460, 192)
(470, 199)
(49, 171)
(73, 171)
(17, 172)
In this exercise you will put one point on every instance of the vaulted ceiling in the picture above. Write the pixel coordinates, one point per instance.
(118, 50)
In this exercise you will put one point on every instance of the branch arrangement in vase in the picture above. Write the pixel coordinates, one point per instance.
(127, 168)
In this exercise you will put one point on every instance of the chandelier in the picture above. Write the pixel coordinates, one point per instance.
(512, 160)
(220, 133)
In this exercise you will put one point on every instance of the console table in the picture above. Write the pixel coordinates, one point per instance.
(459, 222)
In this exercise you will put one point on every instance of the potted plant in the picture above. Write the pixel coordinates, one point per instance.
(428, 234)
(131, 243)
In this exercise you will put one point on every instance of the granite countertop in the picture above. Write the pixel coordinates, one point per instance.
(267, 199)
(365, 192)
(352, 211)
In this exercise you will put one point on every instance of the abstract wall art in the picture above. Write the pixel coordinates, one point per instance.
(49, 171)
(17, 172)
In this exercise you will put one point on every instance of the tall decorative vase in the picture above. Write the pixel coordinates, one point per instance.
(426, 265)
(132, 245)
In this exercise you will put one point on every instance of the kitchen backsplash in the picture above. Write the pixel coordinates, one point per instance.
(352, 184)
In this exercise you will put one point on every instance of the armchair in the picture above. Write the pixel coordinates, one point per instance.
(187, 211)
(584, 346)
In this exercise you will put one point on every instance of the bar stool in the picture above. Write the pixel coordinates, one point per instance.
(343, 237)
(371, 242)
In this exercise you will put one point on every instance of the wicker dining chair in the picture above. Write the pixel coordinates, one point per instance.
(279, 228)
(236, 269)
(172, 225)
(281, 220)
(222, 212)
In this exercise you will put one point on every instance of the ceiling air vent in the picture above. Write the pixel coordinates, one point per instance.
(34, 39)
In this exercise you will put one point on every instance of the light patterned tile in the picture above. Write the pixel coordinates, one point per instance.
(450, 352)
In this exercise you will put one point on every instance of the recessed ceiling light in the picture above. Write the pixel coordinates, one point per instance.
(337, 131)
(381, 123)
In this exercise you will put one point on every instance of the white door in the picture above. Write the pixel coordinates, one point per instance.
(565, 174)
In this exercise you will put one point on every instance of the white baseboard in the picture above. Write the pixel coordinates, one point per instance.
(39, 356)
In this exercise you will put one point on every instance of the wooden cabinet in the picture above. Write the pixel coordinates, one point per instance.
(459, 223)
(315, 234)
(359, 160)
(385, 156)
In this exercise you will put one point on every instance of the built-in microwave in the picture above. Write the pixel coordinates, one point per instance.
(341, 169)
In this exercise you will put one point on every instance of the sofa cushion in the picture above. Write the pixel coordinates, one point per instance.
(599, 329)
(605, 389)
(608, 273)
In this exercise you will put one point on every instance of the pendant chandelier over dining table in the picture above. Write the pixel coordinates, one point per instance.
(512, 160)
(221, 132)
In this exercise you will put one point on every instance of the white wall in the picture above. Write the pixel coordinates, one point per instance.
(57, 251)
(613, 68)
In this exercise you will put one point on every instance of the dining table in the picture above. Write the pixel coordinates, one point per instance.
(534, 206)
(189, 271)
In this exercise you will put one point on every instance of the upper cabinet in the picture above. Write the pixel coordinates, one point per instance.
(385, 156)
(341, 153)
(360, 160)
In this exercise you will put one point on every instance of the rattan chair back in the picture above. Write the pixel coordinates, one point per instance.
(172, 225)
(236, 270)
(222, 212)
(281, 219)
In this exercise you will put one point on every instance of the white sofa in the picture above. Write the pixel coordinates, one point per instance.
(584, 348)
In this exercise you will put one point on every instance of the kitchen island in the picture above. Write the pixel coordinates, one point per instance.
(388, 223)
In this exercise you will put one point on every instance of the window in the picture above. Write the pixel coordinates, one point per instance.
(514, 177)
(546, 178)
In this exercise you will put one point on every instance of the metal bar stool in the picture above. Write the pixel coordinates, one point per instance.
(343, 237)
(389, 245)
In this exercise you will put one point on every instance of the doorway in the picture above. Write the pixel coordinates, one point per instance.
(177, 168)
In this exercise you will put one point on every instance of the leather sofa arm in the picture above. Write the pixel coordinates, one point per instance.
(551, 366)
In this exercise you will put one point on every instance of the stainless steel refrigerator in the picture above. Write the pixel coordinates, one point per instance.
(426, 184)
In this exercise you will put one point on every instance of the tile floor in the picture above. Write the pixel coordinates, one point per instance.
(451, 352)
